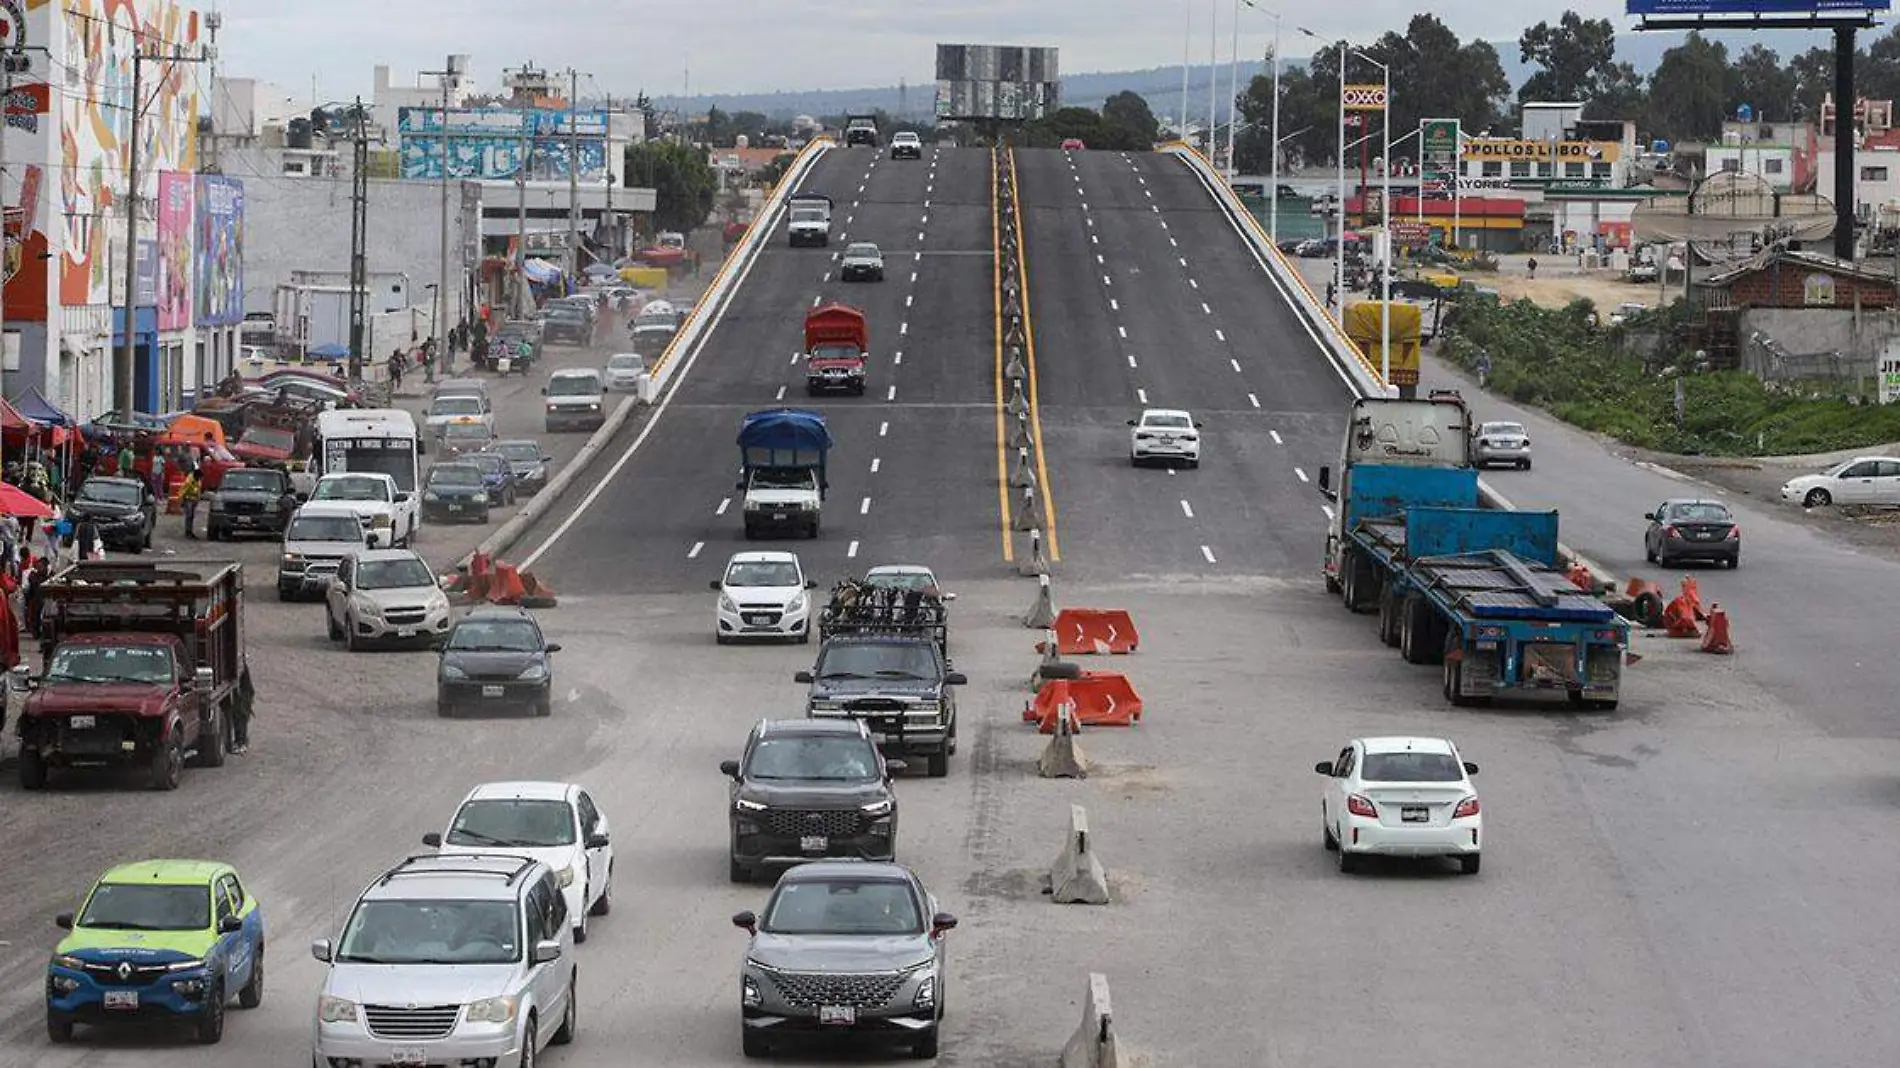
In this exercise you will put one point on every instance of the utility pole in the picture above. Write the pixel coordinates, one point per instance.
(359, 234)
(12, 62)
(573, 175)
(438, 313)
(521, 225)
(607, 160)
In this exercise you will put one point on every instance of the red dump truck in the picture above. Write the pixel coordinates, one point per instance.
(836, 344)
(141, 665)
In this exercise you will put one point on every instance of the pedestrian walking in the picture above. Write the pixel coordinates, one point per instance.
(241, 711)
(156, 475)
(428, 360)
(188, 501)
(395, 371)
(1531, 267)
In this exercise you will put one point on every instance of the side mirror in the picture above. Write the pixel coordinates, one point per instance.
(597, 840)
(811, 584)
(802, 676)
(544, 391)
(1470, 768)
(322, 950)
(403, 497)
(546, 951)
(1132, 422)
(63, 921)
(729, 768)
(948, 596)
(1324, 767)
(955, 678)
(941, 922)
(369, 540)
(1651, 516)
(21, 676)
(230, 925)
(432, 840)
(739, 485)
(714, 584)
(303, 498)
(554, 647)
(1325, 478)
(203, 678)
(747, 920)
(1198, 426)
(892, 767)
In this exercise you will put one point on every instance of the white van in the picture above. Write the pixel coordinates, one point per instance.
(576, 400)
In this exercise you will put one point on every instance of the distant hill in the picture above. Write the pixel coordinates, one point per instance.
(1161, 86)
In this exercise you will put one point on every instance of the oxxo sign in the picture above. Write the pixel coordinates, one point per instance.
(12, 25)
(1540, 151)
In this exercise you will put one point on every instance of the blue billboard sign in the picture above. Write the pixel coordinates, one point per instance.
(218, 275)
(1757, 7)
(492, 143)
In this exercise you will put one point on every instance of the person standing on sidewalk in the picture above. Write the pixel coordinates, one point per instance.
(395, 371)
(188, 501)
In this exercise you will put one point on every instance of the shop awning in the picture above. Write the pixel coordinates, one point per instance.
(34, 406)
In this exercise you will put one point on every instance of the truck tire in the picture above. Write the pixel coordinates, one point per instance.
(1389, 621)
(938, 763)
(210, 749)
(1421, 639)
(32, 770)
(167, 767)
(1454, 675)
(1361, 581)
(751, 533)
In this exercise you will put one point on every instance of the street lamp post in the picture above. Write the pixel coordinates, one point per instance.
(1339, 206)
(447, 74)
(1273, 181)
(1385, 222)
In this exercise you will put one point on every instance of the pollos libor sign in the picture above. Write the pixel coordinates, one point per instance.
(1542, 151)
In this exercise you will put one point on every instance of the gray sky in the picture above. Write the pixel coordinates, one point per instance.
(768, 45)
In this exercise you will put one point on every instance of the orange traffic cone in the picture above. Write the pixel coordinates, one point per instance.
(1716, 639)
(1679, 619)
(1692, 593)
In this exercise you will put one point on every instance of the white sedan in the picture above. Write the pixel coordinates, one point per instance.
(1862, 480)
(1164, 434)
(556, 823)
(1400, 797)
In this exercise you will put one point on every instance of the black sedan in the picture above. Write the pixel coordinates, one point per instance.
(1692, 530)
(496, 656)
(530, 464)
(497, 474)
(454, 493)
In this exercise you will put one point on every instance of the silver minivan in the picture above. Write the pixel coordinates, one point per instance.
(450, 960)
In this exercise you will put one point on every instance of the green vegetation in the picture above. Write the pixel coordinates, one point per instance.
(1556, 360)
(1123, 124)
(683, 183)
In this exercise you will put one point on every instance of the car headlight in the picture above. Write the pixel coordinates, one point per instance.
(926, 993)
(431, 495)
(798, 604)
(190, 988)
(726, 605)
(64, 984)
(566, 875)
(185, 966)
(64, 960)
(825, 706)
(877, 809)
(493, 1010)
(292, 562)
(335, 1010)
(749, 991)
(593, 407)
(744, 805)
(451, 671)
(367, 607)
(534, 673)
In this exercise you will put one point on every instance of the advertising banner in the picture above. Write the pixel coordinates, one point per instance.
(175, 196)
(1890, 373)
(1363, 97)
(1441, 138)
(1756, 7)
(1499, 148)
(218, 274)
(146, 296)
(492, 143)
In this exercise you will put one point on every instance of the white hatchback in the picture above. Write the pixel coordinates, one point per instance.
(1164, 434)
(624, 370)
(763, 595)
(556, 823)
(1400, 797)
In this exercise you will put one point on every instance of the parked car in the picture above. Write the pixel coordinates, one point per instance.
(1862, 480)
(1692, 530)
(498, 476)
(386, 596)
(496, 656)
(1502, 443)
(854, 948)
(454, 492)
(556, 823)
(1400, 797)
(529, 462)
(807, 789)
(157, 940)
(123, 510)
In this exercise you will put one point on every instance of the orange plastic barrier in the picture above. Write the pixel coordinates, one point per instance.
(1095, 630)
(1679, 619)
(535, 593)
(1716, 639)
(1692, 593)
(475, 586)
(507, 587)
(1100, 698)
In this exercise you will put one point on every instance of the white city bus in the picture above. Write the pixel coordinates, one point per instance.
(375, 440)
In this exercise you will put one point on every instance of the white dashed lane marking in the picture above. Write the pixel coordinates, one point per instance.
(876, 462)
(693, 552)
(864, 506)
(1182, 260)
(1192, 284)
(1205, 310)
(1186, 508)
(1141, 395)
(1106, 281)
(1207, 554)
(1123, 331)
(795, 357)
(851, 551)
(826, 278)
(1256, 403)
(723, 505)
(883, 429)
(1301, 472)
(1236, 365)
(1131, 361)
(890, 395)
(908, 298)
(913, 278)
(1274, 434)
(781, 393)
(897, 358)
(1114, 305)
(903, 328)
(1328, 509)
(815, 300)
(1218, 336)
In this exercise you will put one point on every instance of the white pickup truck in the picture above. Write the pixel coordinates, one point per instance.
(810, 219)
(391, 514)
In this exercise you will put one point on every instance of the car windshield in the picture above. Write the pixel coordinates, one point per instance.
(808, 215)
(495, 635)
(350, 489)
(526, 451)
(251, 482)
(456, 405)
(514, 823)
(1168, 422)
(902, 580)
(147, 907)
(565, 311)
(843, 906)
(829, 759)
(325, 528)
(469, 431)
(490, 463)
(432, 932)
(393, 574)
(143, 664)
(625, 361)
(573, 386)
(270, 437)
(1411, 767)
(1502, 428)
(455, 475)
(762, 573)
(835, 350)
(1701, 512)
(109, 492)
(782, 478)
(879, 660)
(861, 251)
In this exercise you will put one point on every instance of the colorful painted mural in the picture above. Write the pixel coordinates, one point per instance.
(175, 195)
(219, 272)
(95, 124)
(488, 143)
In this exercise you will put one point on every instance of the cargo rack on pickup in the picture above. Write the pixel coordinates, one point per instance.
(857, 608)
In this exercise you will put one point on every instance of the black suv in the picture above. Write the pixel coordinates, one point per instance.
(255, 499)
(495, 656)
(123, 510)
(898, 685)
(807, 789)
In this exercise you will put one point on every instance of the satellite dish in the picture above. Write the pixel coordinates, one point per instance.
(1730, 214)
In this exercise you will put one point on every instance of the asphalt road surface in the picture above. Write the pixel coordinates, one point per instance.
(1697, 880)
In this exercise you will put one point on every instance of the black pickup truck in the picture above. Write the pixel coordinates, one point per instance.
(899, 684)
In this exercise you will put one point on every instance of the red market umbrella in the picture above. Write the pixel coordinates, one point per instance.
(15, 501)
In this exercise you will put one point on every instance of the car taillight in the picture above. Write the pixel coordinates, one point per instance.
(1669, 530)
(1466, 808)
(1359, 806)
(1734, 534)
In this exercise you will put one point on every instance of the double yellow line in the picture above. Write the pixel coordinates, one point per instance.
(1052, 546)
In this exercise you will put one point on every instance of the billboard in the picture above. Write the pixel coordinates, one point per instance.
(1757, 7)
(146, 295)
(176, 192)
(218, 274)
(491, 143)
(997, 82)
(1502, 148)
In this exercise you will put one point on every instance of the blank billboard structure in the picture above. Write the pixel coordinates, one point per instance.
(1006, 82)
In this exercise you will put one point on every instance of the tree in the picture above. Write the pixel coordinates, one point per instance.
(1813, 72)
(715, 129)
(683, 184)
(1434, 75)
(1058, 126)
(1620, 95)
(1760, 80)
(753, 125)
(1688, 92)
(1573, 58)
(1128, 113)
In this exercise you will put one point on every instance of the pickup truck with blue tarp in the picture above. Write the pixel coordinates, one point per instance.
(1475, 590)
(782, 471)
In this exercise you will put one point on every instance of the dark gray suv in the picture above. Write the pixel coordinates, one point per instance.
(848, 949)
(809, 789)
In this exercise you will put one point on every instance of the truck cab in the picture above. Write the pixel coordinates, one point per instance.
(837, 343)
(391, 515)
(1433, 432)
(809, 219)
(861, 130)
(900, 686)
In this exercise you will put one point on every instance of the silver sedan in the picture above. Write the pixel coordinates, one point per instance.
(1502, 443)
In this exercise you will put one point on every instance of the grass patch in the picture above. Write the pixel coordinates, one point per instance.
(1554, 359)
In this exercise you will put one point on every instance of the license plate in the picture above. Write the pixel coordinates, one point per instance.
(1415, 815)
(758, 620)
(492, 691)
(405, 632)
(455, 507)
(122, 1000)
(813, 843)
(778, 515)
(409, 1055)
(837, 1015)
(82, 723)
